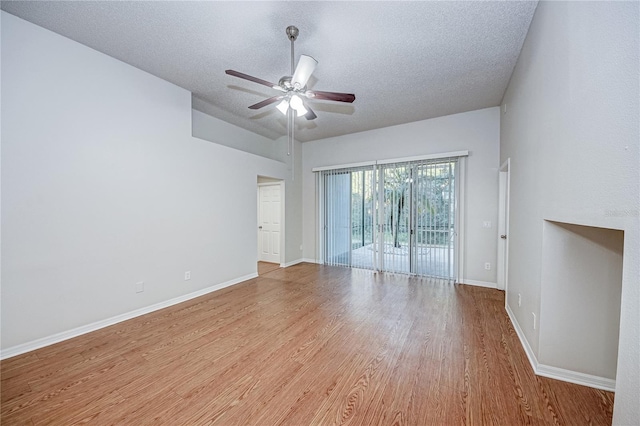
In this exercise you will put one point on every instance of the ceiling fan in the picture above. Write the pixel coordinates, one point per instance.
(293, 89)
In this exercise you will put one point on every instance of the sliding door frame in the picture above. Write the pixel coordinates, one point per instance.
(378, 219)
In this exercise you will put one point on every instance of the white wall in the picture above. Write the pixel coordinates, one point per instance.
(476, 131)
(103, 186)
(580, 294)
(572, 132)
(218, 131)
(215, 130)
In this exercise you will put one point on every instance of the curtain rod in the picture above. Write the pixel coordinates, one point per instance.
(394, 160)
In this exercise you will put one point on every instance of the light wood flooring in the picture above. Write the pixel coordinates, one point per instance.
(266, 267)
(304, 345)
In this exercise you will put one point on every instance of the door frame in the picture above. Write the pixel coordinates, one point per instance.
(280, 185)
(504, 185)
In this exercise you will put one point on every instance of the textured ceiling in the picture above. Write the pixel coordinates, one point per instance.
(405, 61)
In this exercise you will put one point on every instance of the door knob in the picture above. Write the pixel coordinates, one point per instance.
(504, 237)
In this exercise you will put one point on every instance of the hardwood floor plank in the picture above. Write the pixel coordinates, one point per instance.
(266, 267)
(65, 389)
(304, 345)
(353, 396)
(81, 410)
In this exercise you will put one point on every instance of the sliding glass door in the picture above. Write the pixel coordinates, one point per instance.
(434, 219)
(397, 217)
(349, 217)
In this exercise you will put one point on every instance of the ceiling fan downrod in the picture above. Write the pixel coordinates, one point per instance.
(292, 33)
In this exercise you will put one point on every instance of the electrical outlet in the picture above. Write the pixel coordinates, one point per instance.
(140, 287)
(187, 275)
(487, 266)
(534, 320)
(519, 300)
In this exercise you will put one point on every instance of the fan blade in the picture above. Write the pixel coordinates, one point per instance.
(310, 115)
(305, 68)
(330, 96)
(266, 102)
(251, 78)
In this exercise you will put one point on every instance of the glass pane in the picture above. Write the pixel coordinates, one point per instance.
(337, 204)
(349, 210)
(396, 222)
(362, 211)
(434, 219)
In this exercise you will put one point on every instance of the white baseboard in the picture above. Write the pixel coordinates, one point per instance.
(479, 283)
(295, 262)
(576, 377)
(69, 334)
(307, 260)
(523, 340)
(555, 372)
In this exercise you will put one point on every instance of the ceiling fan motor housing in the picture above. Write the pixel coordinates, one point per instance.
(292, 32)
(285, 82)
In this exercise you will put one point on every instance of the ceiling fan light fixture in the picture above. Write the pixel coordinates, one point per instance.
(283, 106)
(297, 104)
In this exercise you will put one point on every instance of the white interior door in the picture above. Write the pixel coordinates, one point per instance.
(503, 226)
(269, 222)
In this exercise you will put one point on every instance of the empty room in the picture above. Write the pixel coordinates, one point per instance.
(315, 213)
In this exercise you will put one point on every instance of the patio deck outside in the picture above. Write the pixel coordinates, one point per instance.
(397, 259)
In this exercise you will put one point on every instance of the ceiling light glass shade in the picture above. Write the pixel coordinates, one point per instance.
(283, 106)
(296, 103)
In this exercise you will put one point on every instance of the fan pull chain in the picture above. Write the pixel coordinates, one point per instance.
(290, 113)
(292, 57)
(289, 131)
